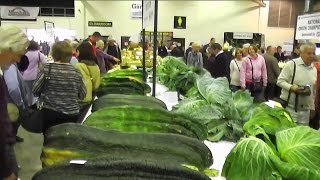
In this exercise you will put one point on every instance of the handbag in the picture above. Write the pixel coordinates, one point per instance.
(33, 122)
(255, 86)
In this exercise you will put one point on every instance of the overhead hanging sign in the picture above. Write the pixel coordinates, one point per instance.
(242, 35)
(148, 13)
(180, 22)
(308, 27)
(136, 9)
(49, 28)
(13, 12)
(99, 24)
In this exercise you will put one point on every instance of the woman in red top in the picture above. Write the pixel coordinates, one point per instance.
(314, 116)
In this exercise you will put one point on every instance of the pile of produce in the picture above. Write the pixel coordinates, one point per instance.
(211, 102)
(123, 82)
(294, 155)
(149, 154)
(176, 75)
(131, 118)
(112, 100)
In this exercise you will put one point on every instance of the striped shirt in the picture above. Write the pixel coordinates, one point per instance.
(64, 89)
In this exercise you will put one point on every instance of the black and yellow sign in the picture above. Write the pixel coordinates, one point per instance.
(180, 22)
(99, 24)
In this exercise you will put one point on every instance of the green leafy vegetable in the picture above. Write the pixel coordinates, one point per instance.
(249, 159)
(270, 119)
(296, 156)
(243, 103)
(293, 171)
(301, 146)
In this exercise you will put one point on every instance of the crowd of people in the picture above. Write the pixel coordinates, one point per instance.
(64, 90)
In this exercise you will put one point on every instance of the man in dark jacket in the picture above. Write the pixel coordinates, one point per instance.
(93, 41)
(273, 71)
(219, 66)
(112, 48)
(188, 50)
(279, 54)
(205, 47)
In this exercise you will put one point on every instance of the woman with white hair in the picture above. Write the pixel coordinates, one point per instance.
(104, 60)
(13, 45)
(195, 56)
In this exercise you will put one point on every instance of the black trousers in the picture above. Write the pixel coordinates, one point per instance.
(11, 160)
(52, 118)
(270, 91)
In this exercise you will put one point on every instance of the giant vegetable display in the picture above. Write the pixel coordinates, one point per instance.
(211, 102)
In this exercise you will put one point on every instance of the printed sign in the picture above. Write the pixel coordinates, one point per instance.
(180, 22)
(308, 27)
(242, 35)
(99, 24)
(287, 47)
(136, 9)
(12, 12)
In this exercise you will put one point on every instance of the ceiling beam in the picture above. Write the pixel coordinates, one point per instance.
(260, 2)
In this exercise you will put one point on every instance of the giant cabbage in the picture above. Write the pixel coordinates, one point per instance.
(249, 159)
(295, 157)
(270, 119)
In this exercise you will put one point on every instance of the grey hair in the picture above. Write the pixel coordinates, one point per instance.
(74, 45)
(99, 44)
(12, 39)
(306, 46)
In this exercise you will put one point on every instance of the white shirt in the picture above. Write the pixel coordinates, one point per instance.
(305, 75)
(235, 67)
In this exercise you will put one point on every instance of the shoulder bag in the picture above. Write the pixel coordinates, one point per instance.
(285, 103)
(235, 61)
(255, 86)
(34, 120)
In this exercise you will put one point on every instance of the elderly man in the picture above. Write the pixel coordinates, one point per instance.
(13, 45)
(298, 83)
(273, 71)
(112, 48)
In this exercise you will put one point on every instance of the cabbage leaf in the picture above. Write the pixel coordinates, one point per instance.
(300, 146)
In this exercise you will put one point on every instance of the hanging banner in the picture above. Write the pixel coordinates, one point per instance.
(13, 12)
(242, 35)
(49, 28)
(308, 27)
(148, 13)
(136, 9)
